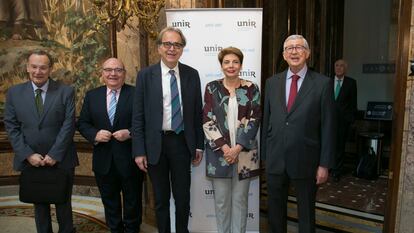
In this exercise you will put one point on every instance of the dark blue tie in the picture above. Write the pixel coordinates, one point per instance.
(176, 118)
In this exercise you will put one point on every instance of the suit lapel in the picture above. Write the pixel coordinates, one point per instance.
(50, 97)
(184, 82)
(303, 91)
(343, 90)
(156, 85)
(282, 90)
(122, 101)
(29, 97)
(103, 104)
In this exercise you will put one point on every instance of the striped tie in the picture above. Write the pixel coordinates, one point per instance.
(176, 118)
(112, 107)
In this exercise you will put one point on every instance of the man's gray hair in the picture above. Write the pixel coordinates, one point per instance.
(171, 29)
(296, 37)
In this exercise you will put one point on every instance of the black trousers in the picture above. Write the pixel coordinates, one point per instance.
(63, 213)
(120, 217)
(341, 138)
(173, 170)
(278, 186)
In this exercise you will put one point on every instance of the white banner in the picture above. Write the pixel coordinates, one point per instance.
(207, 32)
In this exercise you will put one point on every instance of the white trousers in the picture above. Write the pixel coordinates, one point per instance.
(231, 201)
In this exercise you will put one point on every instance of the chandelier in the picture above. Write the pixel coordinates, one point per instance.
(119, 11)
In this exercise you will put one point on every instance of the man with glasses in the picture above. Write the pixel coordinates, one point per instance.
(167, 128)
(297, 136)
(105, 121)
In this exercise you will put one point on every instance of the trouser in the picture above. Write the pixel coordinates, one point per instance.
(122, 214)
(231, 203)
(172, 172)
(277, 187)
(63, 213)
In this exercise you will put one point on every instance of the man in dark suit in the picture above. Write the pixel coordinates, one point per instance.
(39, 117)
(167, 128)
(105, 121)
(345, 93)
(297, 136)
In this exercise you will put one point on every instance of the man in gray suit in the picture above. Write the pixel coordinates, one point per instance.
(39, 118)
(297, 136)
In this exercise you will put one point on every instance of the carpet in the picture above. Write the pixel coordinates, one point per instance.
(17, 219)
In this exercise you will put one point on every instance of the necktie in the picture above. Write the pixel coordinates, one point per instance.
(176, 117)
(112, 107)
(39, 101)
(337, 88)
(293, 91)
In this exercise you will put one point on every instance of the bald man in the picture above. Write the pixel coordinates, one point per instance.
(345, 93)
(105, 121)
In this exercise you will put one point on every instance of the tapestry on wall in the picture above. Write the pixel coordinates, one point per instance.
(67, 29)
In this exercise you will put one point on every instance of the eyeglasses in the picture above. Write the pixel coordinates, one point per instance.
(298, 48)
(168, 45)
(117, 70)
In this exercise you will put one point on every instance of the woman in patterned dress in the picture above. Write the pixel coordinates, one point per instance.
(231, 118)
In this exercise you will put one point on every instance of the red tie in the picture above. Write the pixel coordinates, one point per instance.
(293, 91)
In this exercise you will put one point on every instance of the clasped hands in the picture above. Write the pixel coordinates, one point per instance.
(105, 135)
(231, 154)
(37, 160)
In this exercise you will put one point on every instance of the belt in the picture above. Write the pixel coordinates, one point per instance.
(168, 132)
(171, 132)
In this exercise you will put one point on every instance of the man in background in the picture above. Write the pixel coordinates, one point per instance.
(105, 121)
(39, 117)
(345, 93)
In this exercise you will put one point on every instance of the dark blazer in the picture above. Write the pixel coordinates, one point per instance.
(50, 133)
(303, 139)
(94, 117)
(148, 111)
(346, 103)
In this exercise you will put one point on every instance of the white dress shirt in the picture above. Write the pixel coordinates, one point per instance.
(166, 94)
(44, 89)
(109, 96)
(301, 73)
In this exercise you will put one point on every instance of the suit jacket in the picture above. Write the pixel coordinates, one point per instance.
(303, 139)
(346, 103)
(216, 130)
(148, 111)
(94, 117)
(50, 133)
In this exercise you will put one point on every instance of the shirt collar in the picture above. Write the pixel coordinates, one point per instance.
(108, 90)
(301, 73)
(338, 79)
(165, 69)
(44, 87)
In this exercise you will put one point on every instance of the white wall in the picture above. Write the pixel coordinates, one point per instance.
(367, 37)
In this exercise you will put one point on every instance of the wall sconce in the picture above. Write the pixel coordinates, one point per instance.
(119, 11)
(412, 68)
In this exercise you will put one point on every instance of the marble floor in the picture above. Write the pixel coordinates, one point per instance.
(82, 205)
(350, 205)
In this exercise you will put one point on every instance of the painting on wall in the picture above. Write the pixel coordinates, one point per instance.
(67, 29)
